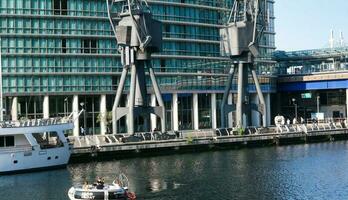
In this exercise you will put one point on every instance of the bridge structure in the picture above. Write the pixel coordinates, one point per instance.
(310, 62)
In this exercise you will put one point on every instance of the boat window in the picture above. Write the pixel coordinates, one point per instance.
(117, 195)
(48, 140)
(7, 141)
(2, 141)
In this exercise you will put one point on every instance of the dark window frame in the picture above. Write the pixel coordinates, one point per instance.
(89, 46)
(64, 45)
(60, 7)
(7, 141)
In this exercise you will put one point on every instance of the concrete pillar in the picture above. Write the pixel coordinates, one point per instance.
(14, 109)
(46, 107)
(213, 111)
(255, 116)
(175, 111)
(75, 109)
(346, 103)
(103, 115)
(127, 105)
(195, 111)
(153, 116)
(268, 108)
(230, 115)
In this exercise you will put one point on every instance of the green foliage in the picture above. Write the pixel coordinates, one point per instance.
(108, 117)
(241, 131)
(189, 139)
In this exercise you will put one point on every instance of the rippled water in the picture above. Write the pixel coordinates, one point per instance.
(314, 171)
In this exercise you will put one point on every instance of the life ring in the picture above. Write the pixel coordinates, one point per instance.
(131, 195)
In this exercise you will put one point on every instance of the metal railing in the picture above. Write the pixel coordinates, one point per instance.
(321, 125)
(35, 122)
(95, 142)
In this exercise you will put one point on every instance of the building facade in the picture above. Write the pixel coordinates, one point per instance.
(313, 81)
(60, 56)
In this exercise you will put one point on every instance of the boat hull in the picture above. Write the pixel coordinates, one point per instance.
(97, 194)
(33, 170)
(34, 160)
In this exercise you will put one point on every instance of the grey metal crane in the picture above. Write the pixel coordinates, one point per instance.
(138, 36)
(241, 37)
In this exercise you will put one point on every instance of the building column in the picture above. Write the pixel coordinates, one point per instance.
(175, 109)
(213, 111)
(75, 109)
(126, 117)
(195, 111)
(103, 115)
(14, 109)
(153, 117)
(255, 115)
(46, 107)
(230, 114)
(347, 103)
(268, 108)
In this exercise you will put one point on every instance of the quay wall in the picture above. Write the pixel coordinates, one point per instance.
(174, 146)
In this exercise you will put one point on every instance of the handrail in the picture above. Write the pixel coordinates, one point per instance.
(35, 122)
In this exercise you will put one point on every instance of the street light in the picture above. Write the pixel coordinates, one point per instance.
(65, 106)
(295, 104)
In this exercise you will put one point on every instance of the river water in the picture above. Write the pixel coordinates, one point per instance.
(310, 171)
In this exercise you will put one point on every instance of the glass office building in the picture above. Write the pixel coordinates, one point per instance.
(59, 56)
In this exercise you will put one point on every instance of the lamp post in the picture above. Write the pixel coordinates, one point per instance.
(65, 106)
(295, 104)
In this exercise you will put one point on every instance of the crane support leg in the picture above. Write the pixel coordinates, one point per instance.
(242, 92)
(131, 101)
(261, 98)
(158, 96)
(224, 103)
(127, 57)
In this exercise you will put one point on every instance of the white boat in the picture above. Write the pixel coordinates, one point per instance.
(108, 192)
(34, 145)
(118, 190)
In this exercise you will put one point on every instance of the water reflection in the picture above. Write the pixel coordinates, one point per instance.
(315, 171)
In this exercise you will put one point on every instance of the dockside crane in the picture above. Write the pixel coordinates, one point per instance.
(240, 40)
(138, 35)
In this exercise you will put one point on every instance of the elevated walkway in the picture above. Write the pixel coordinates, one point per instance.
(311, 55)
(316, 69)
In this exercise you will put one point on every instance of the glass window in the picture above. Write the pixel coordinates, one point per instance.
(7, 141)
(60, 7)
(2, 141)
(48, 140)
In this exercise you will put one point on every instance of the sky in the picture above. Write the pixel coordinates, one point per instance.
(306, 24)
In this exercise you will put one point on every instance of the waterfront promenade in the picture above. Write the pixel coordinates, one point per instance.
(124, 146)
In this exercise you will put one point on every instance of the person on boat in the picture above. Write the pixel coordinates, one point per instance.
(100, 183)
(85, 185)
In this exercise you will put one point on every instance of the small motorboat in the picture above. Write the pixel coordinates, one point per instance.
(118, 190)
